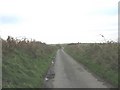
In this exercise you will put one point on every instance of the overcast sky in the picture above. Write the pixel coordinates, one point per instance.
(60, 21)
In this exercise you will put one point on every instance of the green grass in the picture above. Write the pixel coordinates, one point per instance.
(101, 59)
(25, 67)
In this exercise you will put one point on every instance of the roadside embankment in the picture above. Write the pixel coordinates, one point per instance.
(100, 58)
(25, 62)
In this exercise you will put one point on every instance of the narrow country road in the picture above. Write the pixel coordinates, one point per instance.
(70, 74)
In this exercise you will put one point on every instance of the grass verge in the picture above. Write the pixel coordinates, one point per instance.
(102, 59)
(25, 64)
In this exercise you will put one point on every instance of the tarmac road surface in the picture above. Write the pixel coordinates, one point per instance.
(71, 74)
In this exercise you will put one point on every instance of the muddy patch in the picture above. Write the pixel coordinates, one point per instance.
(49, 78)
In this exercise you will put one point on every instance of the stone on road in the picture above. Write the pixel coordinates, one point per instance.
(71, 74)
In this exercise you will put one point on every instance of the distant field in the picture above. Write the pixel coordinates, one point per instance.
(100, 58)
(25, 63)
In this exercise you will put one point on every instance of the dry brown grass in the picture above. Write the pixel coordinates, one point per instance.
(101, 58)
(25, 62)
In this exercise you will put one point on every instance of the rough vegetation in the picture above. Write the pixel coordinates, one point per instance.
(25, 62)
(100, 58)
